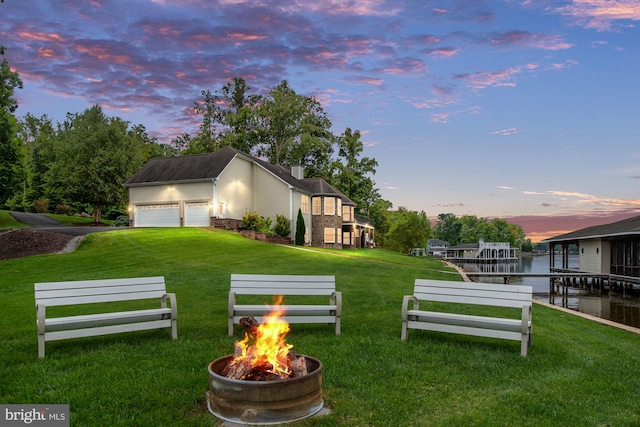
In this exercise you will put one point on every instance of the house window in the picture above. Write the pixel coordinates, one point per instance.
(304, 204)
(338, 236)
(346, 238)
(329, 235)
(339, 207)
(306, 234)
(346, 213)
(329, 206)
(317, 205)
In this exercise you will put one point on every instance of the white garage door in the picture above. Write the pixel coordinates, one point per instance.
(159, 215)
(196, 214)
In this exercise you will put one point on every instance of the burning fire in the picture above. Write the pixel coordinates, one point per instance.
(264, 351)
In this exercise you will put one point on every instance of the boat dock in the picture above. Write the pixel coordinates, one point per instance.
(561, 279)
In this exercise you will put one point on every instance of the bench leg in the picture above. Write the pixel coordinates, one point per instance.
(403, 336)
(40, 346)
(174, 329)
(524, 344)
(230, 328)
(337, 325)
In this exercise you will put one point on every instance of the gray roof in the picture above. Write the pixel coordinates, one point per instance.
(466, 246)
(437, 242)
(190, 168)
(630, 226)
(321, 187)
(207, 167)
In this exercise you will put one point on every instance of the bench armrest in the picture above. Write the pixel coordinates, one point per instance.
(172, 302)
(405, 305)
(336, 299)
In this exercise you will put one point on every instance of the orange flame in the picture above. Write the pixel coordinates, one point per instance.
(268, 349)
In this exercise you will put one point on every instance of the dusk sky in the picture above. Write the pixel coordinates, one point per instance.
(527, 110)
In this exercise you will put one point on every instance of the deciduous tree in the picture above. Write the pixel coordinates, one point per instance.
(409, 229)
(353, 173)
(295, 129)
(95, 155)
(11, 167)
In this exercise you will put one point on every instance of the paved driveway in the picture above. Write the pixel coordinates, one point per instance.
(45, 223)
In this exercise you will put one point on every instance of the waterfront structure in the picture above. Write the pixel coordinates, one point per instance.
(612, 249)
(437, 247)
(482, 252)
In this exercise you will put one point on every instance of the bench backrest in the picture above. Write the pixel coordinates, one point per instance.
(473, 293)
(94, 291)
(264, 284)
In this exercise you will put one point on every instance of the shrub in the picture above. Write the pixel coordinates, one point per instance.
(300, 229)
(41, 205)
(283, 226)
(63, 209)
(253, 221)
(121, 221)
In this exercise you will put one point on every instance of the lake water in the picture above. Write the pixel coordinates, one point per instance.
(609, 305)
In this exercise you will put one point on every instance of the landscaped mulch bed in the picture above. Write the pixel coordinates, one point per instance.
(23, 242)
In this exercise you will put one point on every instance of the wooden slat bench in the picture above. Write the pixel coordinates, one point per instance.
(256, 284)
(52, 294)
(487, 294)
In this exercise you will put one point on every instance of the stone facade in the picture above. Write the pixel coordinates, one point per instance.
(318, 225)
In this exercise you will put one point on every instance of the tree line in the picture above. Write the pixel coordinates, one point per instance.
(81, 163)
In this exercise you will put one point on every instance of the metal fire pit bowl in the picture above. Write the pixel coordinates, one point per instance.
(264, 402)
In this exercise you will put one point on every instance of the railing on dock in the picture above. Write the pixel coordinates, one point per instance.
(561, 279)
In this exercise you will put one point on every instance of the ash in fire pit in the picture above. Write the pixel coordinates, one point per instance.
(264, 381)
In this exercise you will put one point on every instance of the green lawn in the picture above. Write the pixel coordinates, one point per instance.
(577, 373)
(9, 222)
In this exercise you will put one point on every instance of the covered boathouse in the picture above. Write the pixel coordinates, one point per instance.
(611, 251)
(482, 252)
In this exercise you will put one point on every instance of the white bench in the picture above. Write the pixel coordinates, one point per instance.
(487, 294)
(257, 284)
(52, 294)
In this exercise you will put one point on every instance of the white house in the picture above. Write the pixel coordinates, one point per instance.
(483, 252)
(218, 189)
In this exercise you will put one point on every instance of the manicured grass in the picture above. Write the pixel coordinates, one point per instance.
(70, 220)
(577, 373)
(9, 222)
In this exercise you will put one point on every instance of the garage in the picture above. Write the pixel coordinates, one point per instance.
(196, 214)
(157, 215)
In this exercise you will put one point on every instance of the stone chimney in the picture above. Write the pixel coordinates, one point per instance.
(297, 171)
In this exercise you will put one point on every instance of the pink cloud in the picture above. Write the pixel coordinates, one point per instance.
(540, 227)
(527, 39)
(370, 81)
(445, 51)
(404, 65)
(484, 79)
(601, 14)
(41, 37)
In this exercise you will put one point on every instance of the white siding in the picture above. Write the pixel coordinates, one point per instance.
(235, 189)
(170, 193)
(591, 255)
(272, 195)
